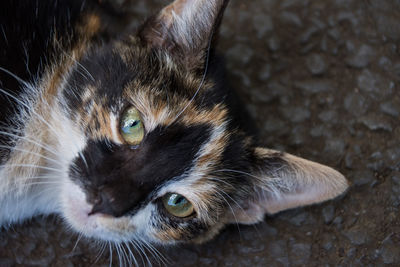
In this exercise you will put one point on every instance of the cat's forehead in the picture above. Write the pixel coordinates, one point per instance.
(125, 74)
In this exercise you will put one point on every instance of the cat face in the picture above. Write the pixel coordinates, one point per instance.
(159, 155)
(185, 147)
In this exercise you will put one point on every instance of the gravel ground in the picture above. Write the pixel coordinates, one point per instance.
(321, 79)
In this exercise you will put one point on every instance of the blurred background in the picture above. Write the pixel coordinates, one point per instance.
(321, 80)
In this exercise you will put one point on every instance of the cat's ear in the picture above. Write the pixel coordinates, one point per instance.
(185, 28)
(283, 181)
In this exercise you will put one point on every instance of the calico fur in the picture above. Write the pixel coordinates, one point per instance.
(63, 152)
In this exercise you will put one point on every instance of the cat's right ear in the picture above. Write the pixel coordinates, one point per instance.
(283, 181)
(185, 28)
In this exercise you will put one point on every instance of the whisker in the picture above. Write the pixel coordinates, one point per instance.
(134, 242)
(21, 81)
(234, 201)
(131, 254)
(110, 250)
(4, 34)
(40, 183)
(84, 160)
(144, 252)
(47, 148)
(77, 241)
(30, 109)
(202, 79)
(32, 153)
(101, 251)
(233, 213)
(44, 191)
(117, 251)
(236, 171)
(43, 178)
(241, 208)
(152, 253)
(37, 177)
(267, 186)
(125, 256)
(8, 128)
(26, 188)
(160, 256)
(220, 181)
(81, 66)
(32, 166)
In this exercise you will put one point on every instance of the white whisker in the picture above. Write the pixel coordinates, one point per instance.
(15, 77)
(77, 241)
(134, 242)
(144, 252)
(33, 167)
(233, 212)
(119, 254)
(159, 255)
(131, 254)
(202, 79)
(100, 253)
(31, 153)
(111, 252)
(84, 160)
(239, 172)
(26, 188)
(30, 109)
(47, 148)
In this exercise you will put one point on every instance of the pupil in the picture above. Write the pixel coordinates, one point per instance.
(133, 123)
(180, 201)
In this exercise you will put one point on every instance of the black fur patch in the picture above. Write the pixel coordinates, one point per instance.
(28, 29)
(103, 70)
(119, 179)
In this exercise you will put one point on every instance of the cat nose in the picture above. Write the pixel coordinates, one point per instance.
(103, 204)
(114, 199)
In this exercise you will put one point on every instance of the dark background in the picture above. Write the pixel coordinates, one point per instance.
(321, 80)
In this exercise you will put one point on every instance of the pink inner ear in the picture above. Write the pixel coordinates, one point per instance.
(249, 213)
(176, 7)
(296, 199)
(165, 25)
(299, 183)
(186, 24)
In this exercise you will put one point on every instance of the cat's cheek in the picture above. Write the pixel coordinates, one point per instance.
(144, 221)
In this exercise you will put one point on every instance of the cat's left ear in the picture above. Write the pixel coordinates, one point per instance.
(283, 181)
(185, 28)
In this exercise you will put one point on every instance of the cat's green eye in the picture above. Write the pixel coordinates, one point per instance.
(177, 205)
(131, 126)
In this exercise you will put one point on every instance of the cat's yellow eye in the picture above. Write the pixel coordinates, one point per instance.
(177, 205)
(131, 126)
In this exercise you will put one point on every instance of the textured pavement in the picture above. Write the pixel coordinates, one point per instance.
(321, 80)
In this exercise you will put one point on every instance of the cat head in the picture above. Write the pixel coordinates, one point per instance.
(157, 154)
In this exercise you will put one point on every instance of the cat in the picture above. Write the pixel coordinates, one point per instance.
(134, 134)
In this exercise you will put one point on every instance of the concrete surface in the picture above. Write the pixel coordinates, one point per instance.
(321, 79)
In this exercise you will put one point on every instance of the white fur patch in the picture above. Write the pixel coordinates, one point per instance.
(114, 128)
